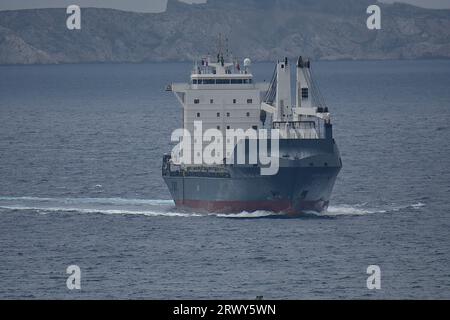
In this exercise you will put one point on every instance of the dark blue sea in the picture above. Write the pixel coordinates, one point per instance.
(80, 184)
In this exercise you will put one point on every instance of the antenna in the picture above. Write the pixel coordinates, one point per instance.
(227, 48)
(219, 44)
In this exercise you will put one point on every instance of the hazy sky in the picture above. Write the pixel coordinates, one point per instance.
(154, 5)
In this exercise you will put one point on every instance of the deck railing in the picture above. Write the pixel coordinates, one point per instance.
(303, 129)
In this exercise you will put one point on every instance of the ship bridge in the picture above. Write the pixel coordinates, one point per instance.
(221, 75)
(221, 95)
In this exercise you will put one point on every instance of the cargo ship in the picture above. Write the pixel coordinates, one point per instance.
(222, 95)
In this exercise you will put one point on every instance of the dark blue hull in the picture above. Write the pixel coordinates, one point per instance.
(305, 180)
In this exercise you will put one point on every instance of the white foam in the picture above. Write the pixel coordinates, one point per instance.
(160, 207)
(121, 201)
(363, 209)
(94, 205)
(418, 205)
(245, 214)
(46, 210)
(351, 210)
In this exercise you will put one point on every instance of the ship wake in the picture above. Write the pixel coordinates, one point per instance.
(118, 206)
(365, 208)
(143, 207)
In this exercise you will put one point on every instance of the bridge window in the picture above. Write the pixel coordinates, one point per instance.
(305, 93)
(234, 101)
(218, 114)
(255, 127)
(248, 114)
(249, 101)
(196, 101)
(198, 114)
(211, 101)
(228, 114)
(222, 81)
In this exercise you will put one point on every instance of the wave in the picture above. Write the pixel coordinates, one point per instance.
(101, 211)
(94, 205)
(156, 207)
(245, 214)
(364, 209)
(93, 200)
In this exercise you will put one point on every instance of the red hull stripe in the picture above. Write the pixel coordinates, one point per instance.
(250, 206)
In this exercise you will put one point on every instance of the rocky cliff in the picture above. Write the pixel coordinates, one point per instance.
(261, 29)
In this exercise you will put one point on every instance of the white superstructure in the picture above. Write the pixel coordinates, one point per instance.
(222, 95)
